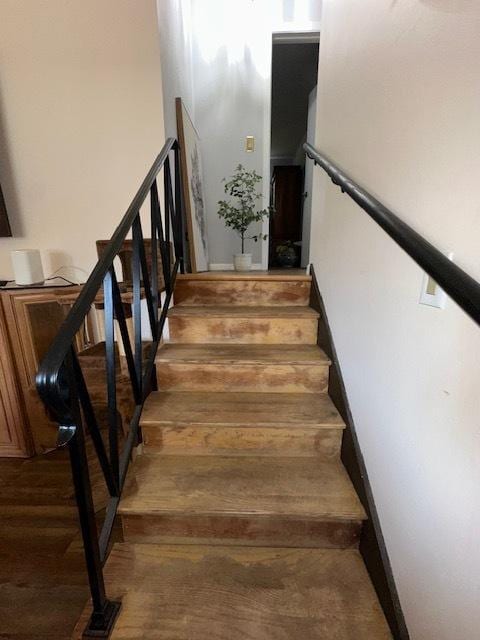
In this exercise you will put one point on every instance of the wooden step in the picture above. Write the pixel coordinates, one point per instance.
(243, 325)
(95, 357)
(270, 275)
(213, 423)
(234, 367)
(271, 289)
(200, 592)
(276, 501)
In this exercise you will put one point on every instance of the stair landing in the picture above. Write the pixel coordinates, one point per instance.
(235, 593)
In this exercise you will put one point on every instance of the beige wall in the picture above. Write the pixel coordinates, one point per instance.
(81, 121)
(399, 105)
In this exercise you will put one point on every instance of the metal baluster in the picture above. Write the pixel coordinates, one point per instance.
(180, 249)
(173, 215)
(146, 282)
(154, 255)
(154, 282)
(91, 421)
(104, 610)
(161, 238)
(122, 323)
(111, 373)
(167, 201)
(137, 303)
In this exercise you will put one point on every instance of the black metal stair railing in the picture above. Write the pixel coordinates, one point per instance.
(61, 382)
(458, 284)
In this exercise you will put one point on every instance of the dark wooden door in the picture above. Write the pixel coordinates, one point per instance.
(287, 198)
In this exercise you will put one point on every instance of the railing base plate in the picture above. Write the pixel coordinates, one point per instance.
(101, 626)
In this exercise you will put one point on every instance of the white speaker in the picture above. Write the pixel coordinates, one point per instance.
(27, 266)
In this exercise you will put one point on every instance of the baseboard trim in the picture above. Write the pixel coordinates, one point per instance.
(228, 266)
(372, 544)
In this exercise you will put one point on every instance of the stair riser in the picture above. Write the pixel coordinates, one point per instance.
(291, 378)
(242, 293)
(323, 444)
(201, 330)
(242, 531)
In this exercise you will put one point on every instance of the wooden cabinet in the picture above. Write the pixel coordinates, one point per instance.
(14, 436)
(29, 319)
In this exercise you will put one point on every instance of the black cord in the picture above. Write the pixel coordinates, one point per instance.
(61, 278)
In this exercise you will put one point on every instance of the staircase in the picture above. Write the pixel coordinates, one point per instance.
(241, 522)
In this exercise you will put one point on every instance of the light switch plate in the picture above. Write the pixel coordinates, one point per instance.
(250, 144)
(431, 294)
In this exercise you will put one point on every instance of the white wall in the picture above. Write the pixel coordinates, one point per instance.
(174, 21)
(399, 104)
(80, 122)
(231, 54)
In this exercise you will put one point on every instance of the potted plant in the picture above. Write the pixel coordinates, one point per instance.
(286, 254)
(241, 214)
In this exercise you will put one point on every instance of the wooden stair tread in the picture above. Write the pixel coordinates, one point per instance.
(242, 354)
(220, 324)
(226, 485)
(278, 275)
(265, 292)
(241, 409)
(231, 311)
(187, 592)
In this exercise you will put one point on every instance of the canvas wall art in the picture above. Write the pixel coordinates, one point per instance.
(193, 191)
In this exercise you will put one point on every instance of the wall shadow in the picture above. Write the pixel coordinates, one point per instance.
(7, 177)
(450, 6)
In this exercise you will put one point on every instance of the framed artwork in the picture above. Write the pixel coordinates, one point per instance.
(5, 230)
(193, 193)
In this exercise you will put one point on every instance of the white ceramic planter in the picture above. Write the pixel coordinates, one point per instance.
(242, 261)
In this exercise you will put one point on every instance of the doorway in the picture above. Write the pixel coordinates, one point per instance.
(293, 108)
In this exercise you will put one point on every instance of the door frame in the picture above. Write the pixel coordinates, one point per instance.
(279, 36)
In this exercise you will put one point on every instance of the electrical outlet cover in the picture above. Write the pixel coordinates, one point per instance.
(431, 294)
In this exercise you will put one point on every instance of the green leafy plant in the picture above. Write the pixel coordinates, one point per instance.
(239, 216)
(285, 247)
(286, 254)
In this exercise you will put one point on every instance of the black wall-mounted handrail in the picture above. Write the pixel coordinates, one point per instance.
(61, 382)
(461, 287)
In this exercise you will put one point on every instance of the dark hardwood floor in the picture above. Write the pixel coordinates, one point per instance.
(43, 583)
